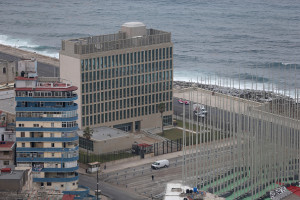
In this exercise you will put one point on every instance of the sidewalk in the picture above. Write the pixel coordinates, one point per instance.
(131, 164)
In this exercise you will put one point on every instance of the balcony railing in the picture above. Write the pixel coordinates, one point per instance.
(47, 159)
(52, 149)
(50, 109)
(57, 179)
(71, 169)
(47, 129)
(47, 139)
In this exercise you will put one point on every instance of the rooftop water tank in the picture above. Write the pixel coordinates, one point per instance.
(134, 29)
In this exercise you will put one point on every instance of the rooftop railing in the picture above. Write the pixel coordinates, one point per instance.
(116, 41)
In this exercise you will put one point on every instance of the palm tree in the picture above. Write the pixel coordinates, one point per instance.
(87, 133)
(161, 108)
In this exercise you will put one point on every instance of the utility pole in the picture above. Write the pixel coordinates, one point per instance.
(97, 183)
(98, 192)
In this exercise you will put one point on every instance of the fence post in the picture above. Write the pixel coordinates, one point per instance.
(163, 147)
(167, 146)
(180, 144)
(171, 146)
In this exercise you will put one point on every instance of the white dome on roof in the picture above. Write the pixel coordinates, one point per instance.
(133, 24)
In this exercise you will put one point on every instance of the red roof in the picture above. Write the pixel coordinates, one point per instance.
(6, 144)
(26, 78)
(144, 145)
(68, 197)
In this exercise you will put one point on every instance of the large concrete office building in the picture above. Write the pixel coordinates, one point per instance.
(46, 129)
(122, 77)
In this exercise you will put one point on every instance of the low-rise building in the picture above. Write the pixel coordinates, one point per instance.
(106, 139)
(7, 71)
(7, 154)
(13, 181)
(7, 130)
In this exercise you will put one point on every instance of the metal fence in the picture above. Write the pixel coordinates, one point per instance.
(111, 156)
(165, 147)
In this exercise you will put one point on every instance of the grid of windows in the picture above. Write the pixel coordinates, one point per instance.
(126, 85)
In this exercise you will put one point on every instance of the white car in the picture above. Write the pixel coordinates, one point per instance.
(199, 108)
(200, 114)
(160, 163)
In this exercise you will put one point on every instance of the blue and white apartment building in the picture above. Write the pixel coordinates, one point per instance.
(46, 129)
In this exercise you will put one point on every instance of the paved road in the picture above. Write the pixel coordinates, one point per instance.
(138, 179)
(112, 192)
(44, 69)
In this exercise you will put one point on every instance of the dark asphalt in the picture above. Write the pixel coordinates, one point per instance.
(108, 190)
(44, 69)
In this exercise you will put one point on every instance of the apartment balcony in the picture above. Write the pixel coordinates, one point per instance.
(41, 159)
(71, 169)
(48, 149)
(43, 119)
(71, 138)
(58, 178)
(48, 109)
(47, 129)
(48, 99)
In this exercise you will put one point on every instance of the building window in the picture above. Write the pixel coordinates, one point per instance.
(21, 125)
(23, 144)
(4, 70)
(49, 183)
(61, 185)
(6, 153)
(22, 134)
(6, 162)
(36, 125)
(52, 144)
(52, 154)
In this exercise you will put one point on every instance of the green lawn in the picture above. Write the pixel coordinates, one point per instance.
(174, 134)
(180, 124)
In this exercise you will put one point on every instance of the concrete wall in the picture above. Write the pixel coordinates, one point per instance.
(111, 145)
(10, 71)
(70, 70)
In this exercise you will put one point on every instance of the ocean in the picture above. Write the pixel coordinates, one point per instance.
(252, 42)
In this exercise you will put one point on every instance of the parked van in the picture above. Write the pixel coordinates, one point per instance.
(160, 163)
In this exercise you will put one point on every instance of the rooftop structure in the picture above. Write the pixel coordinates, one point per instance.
(122, 77)
(46, 130)
(7, 72)
(106, 139)
(177, 191)
(132, 34)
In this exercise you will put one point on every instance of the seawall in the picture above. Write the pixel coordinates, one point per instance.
(28, 54)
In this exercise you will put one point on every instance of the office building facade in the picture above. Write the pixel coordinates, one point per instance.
(46, 129)
(122, 78)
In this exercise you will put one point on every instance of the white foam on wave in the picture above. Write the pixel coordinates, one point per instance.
(234, 83)
(25, 45)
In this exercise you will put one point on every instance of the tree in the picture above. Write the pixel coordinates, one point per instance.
(87, 133)
(161, 108)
